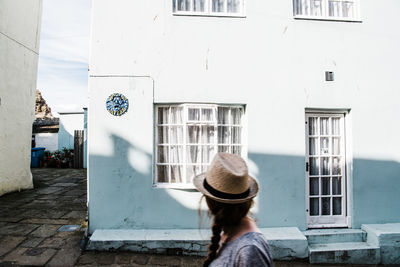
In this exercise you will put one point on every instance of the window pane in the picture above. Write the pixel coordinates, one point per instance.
(176, 135)
(336, 126)
(193, 154)
(337, 206)
(314, 206)
(218, 5)
(233, 6)
(236, 114)
(314, 186)
(176, 115)
(337, 169)
(176, 154)
(207, 154)
(223, 115)
(313, 146)
(193, 134)
(324, 146)
(326, 206)
(194, 114)
(207, 114)
(198, 5)
(348, 9)
(325, 166)
(236, 150)
(312, 126)
(324, 126)
(223, 135)
(191, 171)
(176, 174)
(207, 134)
(316, 7)
(236, 135)
(314, 166)
(162, 156)
(336, 145)
(162, 134)
(182, 5)
(302, 7)
(162, 174)
(336, 185)
(326, 186)
(223, 149)
(163, 115)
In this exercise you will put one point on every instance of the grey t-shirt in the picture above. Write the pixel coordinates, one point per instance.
(250, 249)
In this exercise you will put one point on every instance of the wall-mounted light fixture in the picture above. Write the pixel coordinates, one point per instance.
(329, 77)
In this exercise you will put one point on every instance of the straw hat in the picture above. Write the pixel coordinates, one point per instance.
(227, 180)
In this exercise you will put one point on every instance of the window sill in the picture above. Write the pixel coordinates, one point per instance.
(222, 15)
(327, 19)
(175, 186)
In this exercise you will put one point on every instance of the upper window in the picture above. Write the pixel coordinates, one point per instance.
(209, 7)
(326, 9)
(189, 135)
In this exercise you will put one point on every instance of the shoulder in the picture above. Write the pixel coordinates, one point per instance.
(253, 251)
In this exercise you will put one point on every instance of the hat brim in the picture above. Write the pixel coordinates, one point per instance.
(198, 182)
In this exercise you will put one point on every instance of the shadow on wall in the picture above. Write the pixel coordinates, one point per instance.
(121, 192)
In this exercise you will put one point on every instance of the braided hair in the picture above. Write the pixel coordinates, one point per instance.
(226, 217)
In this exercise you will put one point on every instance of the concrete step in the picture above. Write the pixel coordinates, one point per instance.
(326, 236)
(345, 253)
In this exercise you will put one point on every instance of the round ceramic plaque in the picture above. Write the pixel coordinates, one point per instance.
(117, 104)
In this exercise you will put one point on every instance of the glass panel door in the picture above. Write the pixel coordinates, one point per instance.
(325, 170)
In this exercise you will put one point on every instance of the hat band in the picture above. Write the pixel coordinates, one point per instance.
(224, 195)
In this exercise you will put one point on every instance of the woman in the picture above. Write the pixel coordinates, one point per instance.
(229, 193)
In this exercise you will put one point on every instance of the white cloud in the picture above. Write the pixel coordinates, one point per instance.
(64, 52)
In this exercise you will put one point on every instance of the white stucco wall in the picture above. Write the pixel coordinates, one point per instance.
(272, 63)
(19, 48)
(69, 122)
(47, 140)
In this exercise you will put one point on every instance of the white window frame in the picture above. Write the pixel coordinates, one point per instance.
(185, 123)
(208, 10)
(325, 12)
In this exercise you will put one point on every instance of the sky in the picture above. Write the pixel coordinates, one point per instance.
(64, 54)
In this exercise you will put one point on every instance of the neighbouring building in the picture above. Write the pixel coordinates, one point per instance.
(45, 126)
(69, 123)
(305, 90)
(20, 22)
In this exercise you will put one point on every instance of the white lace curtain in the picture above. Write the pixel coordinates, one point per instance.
(317, 8)
(229, 6)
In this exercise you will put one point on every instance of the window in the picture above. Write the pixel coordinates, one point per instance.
(209, 7)
(326, 9)
(189, 135)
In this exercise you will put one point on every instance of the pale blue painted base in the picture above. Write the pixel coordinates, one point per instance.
(286, 243)
(387, 237)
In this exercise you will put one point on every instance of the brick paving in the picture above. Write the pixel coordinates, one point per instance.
(30, 223)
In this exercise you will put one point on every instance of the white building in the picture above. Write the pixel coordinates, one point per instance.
(19, 50)
(307, 91)
(69, 123)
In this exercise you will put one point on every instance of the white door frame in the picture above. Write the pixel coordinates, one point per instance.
(317, 220)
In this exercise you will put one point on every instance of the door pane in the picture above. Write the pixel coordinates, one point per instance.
(314, 166)
(337, 169)
(336, 126)
(324, 145)
(325, 166)
(336, 145)
(312, 126)
(337, 206)
(314, 206)
(324, 126)
(336, 185)
(326, 206)
(313, 146)
(314, 186)
(326, 185)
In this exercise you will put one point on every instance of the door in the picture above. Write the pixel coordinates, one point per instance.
(325, 170)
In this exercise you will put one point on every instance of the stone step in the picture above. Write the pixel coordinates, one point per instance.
(326, 236)
(344, 253)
